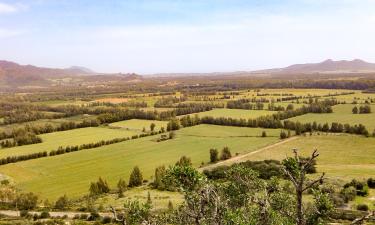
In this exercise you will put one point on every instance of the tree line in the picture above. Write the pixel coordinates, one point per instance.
(63, 150)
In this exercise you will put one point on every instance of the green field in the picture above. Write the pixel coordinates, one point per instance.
(52, 141)
(342, 114)
(235, 113)
(341, 156)
(138, 125)
(72, 173)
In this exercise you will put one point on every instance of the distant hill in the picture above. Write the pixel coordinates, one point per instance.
(327, 66)
(13, 74)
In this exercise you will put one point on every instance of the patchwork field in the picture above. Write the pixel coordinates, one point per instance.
(52, 141)
(342, 114)
(72, 173)
(235, 113)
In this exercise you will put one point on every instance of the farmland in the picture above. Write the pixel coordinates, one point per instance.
(50, 175)
(54, 140)
(235, 113)
(344, 154)
(342, 114)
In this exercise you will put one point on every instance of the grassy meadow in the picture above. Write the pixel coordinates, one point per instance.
(138, 125)
(235, 113)
(52, 141)
(342, 114)
(341, 156)
(72, 173)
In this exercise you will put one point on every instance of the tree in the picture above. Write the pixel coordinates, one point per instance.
(296, 170)
(355, 110)
(172, 135)
(62, 203)
(159, 175)
(121, 186)
(152, 127)
(214, 155)
(26, 201)
(225, 154)
(136, 178)
(283, 135)
(99, 187)
(170, 205)
(184, 161)
(149, 200)
(133, 213)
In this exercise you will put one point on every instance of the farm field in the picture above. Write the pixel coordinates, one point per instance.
(52, 141)
(342, 114)
(51, 175)
(235, 113)
(135, 124)
(342, 157)
(43, 122)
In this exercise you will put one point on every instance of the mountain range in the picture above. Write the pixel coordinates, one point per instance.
(327, 66)
(13, 74)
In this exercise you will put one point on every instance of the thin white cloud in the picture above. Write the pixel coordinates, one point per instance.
(7, 33)
(11, 8)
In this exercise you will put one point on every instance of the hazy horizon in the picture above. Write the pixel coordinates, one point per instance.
(165, 36)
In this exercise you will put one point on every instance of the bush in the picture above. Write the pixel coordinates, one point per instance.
(136, 177)
(283, 135)
(27, 201)
(62, 203)
(264, 134)
(225, 154)
(362, 207)
(348, 194)
(24, 213)
(45, 215)
(214, 155)
(93, 216)
(371, 183)
(106, 220)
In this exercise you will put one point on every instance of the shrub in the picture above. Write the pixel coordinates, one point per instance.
(106, 220)
(62, 203)
(27, 201)
(264, 134)
(136, 177)
(214, 155)
(371, 183)
(45, 215)
(362, 207)
(225, 154)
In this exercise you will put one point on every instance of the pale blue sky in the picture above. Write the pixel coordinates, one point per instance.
(153, 36)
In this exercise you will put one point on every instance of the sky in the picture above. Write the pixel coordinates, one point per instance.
(184, 36)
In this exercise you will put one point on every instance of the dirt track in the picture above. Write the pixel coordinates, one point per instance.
(241, 157)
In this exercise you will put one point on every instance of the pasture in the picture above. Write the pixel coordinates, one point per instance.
(72, 173)
(135, 124)
(342, 114)
(342, 157)
(235, 113)
(52, 141)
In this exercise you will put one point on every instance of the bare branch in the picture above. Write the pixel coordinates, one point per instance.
(319, 180)
(363, 218)
(117, 219)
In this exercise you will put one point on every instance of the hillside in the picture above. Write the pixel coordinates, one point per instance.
(327, 66)
(13, 74)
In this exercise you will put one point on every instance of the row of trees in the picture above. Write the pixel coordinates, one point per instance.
(48, 128)
(362, 109)
(21, 138)
(68, 149)
(245, 104)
